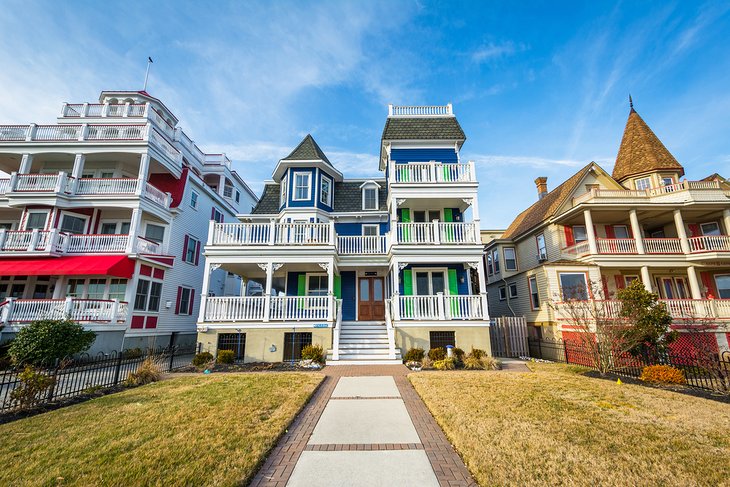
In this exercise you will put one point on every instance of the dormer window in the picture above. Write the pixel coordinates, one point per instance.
(642, 184)
(370, 195)
(302, 186)
(325, 191)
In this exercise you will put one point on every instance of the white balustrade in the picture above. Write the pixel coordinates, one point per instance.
(241, 234)
(73, 110)
(616, 245)
(299, 307)
(252, 308)
(14, 132)
(458, 233)
(361, 244)
(154, 194)
(27, 310)
(89, 244)
(577, 249)
(17, 240)
(95, 110)
(234, 308)
(662, 246)
(82, 310)
(36, 182)
(303, 233)
(468, 307)
(421, 110)
(87, 186)
(415, 233)
(94, 310)
(145, 246)
(57, 132)
(4, 185)
(159, 141)
(115, 132)
(679, 309)
(710, 243)
(433, 172)
(418, 307)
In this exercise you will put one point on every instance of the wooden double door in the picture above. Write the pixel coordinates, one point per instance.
(371, 299)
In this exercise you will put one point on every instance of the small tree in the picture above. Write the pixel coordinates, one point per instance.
(648, 334)
(45, 341)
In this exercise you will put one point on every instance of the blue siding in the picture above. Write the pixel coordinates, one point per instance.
(290, 198)
(321, 205)
(423, 155)
(354, 229)
(461, 273)
(349, 305)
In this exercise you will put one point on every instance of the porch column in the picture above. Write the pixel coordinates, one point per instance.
(694, 283)
(267, 291)
(144, 167)
(590, 232)
(681, 232)
(726, 220)
(204, 290)
(26, 161)
(475, 213)
(646, 278)
(331, 290)
(77, 171)
(395, 272)
(221, 184)
(483, 288)
(59, 287)
(134, 229)
(636, 230)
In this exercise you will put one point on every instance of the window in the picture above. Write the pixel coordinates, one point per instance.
(621, 231)
(502, 293)
(216, 215)
(75, 288)
(642, 184)
(191, 250)
(510, 259)
(430, 283)
(108, 228)
(370, 230)
(238, 196)
(370, 198)
(325, 191)
(117, 289)
(574, 286)
(441, 339)
(147, 297)
(73, 224)
(96, 289)
(541, 248)
(233, 341)
(282, 196)
(293, 345)
(36, 219)
(579, 233)
(667, 181)
(490, 268)
(156, 233)
(513, 290)
(302, 186)
(534, 293)
(193, 199)
(723, 286)
(185, 299)
(155, 294)
(495, 260)
(317, 285)
(711, 228)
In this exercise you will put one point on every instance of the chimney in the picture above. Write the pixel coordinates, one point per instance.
(542, 189)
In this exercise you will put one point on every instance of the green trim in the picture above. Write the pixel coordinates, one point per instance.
(301, 289)
(405, 217)
(448, 215)
(453, 291)
(408, 291)
(338, 287)
(448, 235)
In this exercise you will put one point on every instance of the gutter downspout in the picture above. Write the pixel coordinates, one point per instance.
(506, 289)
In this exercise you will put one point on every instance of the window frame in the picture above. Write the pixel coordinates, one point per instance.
(575, 234)
(648, 183)
(283, 189)
(716, 224)
(490, 268)
(193, 245)
(194, 195)
(541, 251)
(717, 285)
(534, 294)
(431, 271)
(328, 180)
(33, 212)
(495, 261)
(585, 281)
(370, 225)
(164, 232)
(365, 189)
(625, 227)
(514, 258)
(71, 214)
(510, 287)
(308, 175)
(319, 276)
(502, 291)
(186, 310)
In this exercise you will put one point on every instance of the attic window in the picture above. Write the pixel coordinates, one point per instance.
(370, 198)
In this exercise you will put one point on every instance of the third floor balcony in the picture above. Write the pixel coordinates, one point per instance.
(421, 173)
(55, 242)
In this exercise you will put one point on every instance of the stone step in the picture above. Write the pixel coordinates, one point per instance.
(364, 362)
(362, 330)
(363, 346)
(356, 341)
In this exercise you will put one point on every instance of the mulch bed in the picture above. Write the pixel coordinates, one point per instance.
(690, 391)
(249, 367)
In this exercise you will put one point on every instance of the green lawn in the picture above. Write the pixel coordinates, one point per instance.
(556, 427)
(192, 430)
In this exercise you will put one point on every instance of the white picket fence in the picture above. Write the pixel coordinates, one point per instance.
(508, 336)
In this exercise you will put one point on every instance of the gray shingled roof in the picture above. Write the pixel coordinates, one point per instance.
(348, 198)
(423, 128)
(307, 150)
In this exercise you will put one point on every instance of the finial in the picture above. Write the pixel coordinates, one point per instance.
(631, 102)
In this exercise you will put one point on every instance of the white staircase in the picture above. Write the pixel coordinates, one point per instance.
(364, 343)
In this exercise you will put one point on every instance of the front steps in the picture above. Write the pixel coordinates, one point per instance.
(364, 343)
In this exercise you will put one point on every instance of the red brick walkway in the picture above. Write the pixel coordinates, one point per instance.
(447, 465)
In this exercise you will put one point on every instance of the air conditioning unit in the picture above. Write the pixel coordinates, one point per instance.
(541, 257)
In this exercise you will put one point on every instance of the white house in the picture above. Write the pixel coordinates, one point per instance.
(102, 218)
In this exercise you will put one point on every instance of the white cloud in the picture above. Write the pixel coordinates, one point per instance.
(492, 50)
(524, 161)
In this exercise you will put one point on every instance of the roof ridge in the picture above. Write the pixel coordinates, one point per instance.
(307, 149)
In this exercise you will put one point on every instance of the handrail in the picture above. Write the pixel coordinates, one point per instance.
(337, 330)
(390, 331)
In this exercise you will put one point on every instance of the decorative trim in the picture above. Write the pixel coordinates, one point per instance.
(214, 267)
(473, 265)
(399, 201)
(263, 267)
(402, 265)
(324, 265)
(276, 267)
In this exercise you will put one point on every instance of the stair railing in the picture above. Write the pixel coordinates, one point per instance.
(336, 331)
(391, 331)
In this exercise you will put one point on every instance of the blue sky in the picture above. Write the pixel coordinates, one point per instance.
(540, 87)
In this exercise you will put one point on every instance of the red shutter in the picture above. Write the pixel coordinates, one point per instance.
(569, 240)
(177, 304)
(197, 252)
(694, 230)
(620, 282)
(192, 301)
(185, 248)
(609, 232)
(604, 281)
(709, 283)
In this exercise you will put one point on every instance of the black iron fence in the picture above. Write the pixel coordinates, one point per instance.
(85, 373)
(702, 369)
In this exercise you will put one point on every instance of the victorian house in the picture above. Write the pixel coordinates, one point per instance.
(103, 216)
(367, 268)
(597, 232)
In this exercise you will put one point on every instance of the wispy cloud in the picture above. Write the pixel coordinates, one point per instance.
(492, 50)
(536, 162)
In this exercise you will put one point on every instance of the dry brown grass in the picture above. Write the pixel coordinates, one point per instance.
(193, 430)
(556, 427)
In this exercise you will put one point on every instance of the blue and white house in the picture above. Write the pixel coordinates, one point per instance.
(367, 268)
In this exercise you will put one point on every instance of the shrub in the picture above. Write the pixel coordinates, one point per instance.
(32, 387)
(226, 356)
(414, 355)
(458, 355)
(663, 374)
(202, 359)
(437, 354)
(147, 372)
(490, 363)
(473, 363)
(426, 363)
(45, 341)
(133, 353)
(315, 353)
(445, 364)
(477, 352)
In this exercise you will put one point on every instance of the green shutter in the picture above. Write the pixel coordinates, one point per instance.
(338, 287)
(301, 289)
(448, 215)
(453, 291)
(405, 217)
(448, 235)
(408, 291)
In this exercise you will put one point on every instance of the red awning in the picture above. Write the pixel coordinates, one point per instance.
(96, 265)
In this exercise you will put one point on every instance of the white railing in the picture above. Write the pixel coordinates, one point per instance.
(83, 310)
(88, 244)
(390, 330)
(433, 172)
(464, 307)
(439, 307)
(577, 249)
(457, 233)
(418, 307)
(303, 234)
(299, 308)
(679, 309)
(337, 329)
(217, 160)
(420, 110)
(629, 194)
(145, 246)
(106, 186)
(4, 186)
(79, 110)
(710, 243)
(415, 233)
(359, 244)
(12, 133)
(154, 194)
(68, 132)
(56, 132)
(116, 132)
(616, 245)
(167, 148)
(224, 308)
(662, 246)
(241, 234)
(17, 240)
(36, 182)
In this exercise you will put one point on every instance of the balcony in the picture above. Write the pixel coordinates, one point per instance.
(61, 183)
(679, 309)
(59, 243)
(437, 233)
(245, 234)
(685, 191)
(18, 311)
(127, 110)
(433, 173)
(438, 307)
(268, 308)
(362, 245)
(652, 246)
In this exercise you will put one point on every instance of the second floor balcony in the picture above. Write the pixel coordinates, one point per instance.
(15, 312)
(681, 310)
(433, 173)
(54, 242)
(650, 246)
